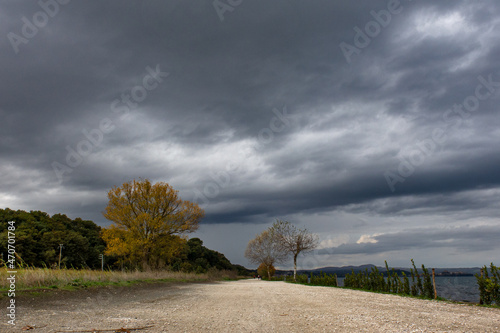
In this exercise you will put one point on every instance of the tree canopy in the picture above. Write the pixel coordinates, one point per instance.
(144, 215)
(38, 236)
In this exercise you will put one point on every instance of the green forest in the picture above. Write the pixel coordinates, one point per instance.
(39, 235)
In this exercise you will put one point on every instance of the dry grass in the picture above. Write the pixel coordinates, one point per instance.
(32, 278)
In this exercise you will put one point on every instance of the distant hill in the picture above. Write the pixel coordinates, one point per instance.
(343, 270)
(340, 271)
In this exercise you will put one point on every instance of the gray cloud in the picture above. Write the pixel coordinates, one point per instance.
(465, 239)
(209, 128)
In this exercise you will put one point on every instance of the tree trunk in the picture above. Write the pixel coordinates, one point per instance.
(269, 272)
(144, 265)
(145, 258)
(295, 267)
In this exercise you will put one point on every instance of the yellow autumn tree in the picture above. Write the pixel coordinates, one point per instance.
(148, 220)
(262, 270)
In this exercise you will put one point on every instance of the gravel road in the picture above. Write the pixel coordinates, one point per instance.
(244, 306)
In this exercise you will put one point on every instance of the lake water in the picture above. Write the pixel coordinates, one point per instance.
(456, 288)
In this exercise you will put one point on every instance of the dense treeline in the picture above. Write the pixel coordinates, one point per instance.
(38, 236)
(197, 258)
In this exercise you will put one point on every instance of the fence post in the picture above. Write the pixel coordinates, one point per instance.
(434, 282)
(101, 256)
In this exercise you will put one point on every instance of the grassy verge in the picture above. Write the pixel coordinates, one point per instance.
(45, 278)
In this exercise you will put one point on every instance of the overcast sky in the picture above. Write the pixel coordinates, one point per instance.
(374, 124)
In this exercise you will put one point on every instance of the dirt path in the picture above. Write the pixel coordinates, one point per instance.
(246, 306)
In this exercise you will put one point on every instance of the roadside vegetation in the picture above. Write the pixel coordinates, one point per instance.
(420, 285)
(321, 279)
(489, 285)
(149, 231)
(147, 241)
(46, 278)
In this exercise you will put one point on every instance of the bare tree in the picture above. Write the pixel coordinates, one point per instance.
(266, 249)
(294, 241)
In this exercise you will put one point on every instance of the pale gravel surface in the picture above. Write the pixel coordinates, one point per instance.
(247, 306)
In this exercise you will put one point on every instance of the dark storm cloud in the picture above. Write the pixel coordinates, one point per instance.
(467, 239)
(349, 119)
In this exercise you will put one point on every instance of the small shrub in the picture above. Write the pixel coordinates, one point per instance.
(489, 286)
(406, 285)
(262, 271)
(419, 285)
(324, 279)
(428, 289)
